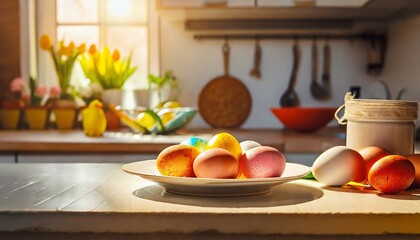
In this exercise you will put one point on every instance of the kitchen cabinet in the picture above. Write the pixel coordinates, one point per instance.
(58, 146)
(7, 157)
(71, 157)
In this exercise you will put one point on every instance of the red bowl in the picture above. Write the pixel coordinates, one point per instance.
(304, 119)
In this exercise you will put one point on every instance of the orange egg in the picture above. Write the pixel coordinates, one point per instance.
(415, 160)
(216, 163)
(371, 155)
(391, 174)
(177, 161)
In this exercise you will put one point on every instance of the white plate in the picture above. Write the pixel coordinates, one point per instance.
(214, 187)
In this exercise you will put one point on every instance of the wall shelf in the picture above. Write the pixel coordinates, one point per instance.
(363, 36)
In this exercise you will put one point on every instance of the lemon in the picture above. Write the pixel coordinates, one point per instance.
(167, 117)
(145, 120)
(172, 104)
(227, 142)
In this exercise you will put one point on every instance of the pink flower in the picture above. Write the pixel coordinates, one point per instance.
(25, 96)
(41, 91)
(16, 85)
(55, 92)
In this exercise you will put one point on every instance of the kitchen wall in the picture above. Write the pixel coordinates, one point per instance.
(197, 62)
(403, 66)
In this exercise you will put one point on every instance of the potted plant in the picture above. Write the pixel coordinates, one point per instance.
(164, 88)
(110, 71)
(36, 112)
(11, 108)
(64, 107)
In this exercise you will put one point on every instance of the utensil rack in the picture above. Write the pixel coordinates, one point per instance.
(300, 36)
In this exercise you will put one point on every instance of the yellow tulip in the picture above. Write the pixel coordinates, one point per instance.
(116, 55)
(92, 49)
(82, 48)
(118, 66)
(61, 48)
(45, 42)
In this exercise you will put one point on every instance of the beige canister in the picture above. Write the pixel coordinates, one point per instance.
(385, 123)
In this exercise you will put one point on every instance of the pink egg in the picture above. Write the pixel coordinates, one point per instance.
(216, 163)
(262, 162)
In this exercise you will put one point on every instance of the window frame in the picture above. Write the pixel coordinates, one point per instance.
(41, 18)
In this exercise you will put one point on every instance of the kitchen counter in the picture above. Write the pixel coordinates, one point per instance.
(75, 141)
(102, 199)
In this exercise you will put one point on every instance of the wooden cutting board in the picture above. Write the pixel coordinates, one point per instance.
(225, 101)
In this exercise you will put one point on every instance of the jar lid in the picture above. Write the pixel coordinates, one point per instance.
(377, 110)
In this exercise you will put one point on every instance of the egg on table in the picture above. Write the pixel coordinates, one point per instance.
(248, 144)
(262, 162)
(227, 142)
(216, 163)
(391, 174)
(415, 160)
(371, 155)
(196, 142)
(338, 166)
(177, 161)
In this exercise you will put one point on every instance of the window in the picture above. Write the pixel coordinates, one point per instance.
(118, 24)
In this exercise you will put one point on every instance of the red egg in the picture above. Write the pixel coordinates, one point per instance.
(216, 163)
(391, 174)
(371, 155)
(262, 162)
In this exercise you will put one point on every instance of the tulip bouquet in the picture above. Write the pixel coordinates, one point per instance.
(64, 58)
(108, 70)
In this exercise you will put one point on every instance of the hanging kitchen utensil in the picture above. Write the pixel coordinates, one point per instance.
(290, 97)
(320, 91)
(225, 101)
(377, 45)
(256, 71)
(326, 72)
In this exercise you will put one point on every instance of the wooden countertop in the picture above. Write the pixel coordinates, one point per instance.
(102, 198)
(76, 141)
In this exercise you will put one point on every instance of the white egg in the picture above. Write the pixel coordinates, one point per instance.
(248, 144)
(337, 166)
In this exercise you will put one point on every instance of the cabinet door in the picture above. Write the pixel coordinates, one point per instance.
(83, 157)
(7, 157)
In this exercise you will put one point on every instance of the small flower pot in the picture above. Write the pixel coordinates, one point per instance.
(65, 113)
(37, 117)
(10, 115)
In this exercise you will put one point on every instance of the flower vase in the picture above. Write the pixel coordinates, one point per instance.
(37, 117)
(65, 113)
(10, 114)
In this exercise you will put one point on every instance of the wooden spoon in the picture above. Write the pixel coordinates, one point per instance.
(317, 91)
(255, 71)
(290, 97)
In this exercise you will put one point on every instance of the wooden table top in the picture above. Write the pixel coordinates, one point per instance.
(75, 140)
(102, 198)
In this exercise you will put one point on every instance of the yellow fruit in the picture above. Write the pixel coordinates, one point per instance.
(172, 104)
(167, 117)
(145, 120)
(225, 141)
